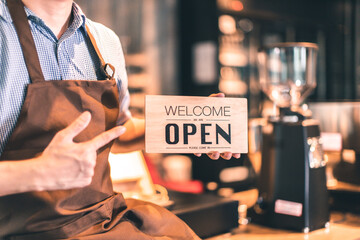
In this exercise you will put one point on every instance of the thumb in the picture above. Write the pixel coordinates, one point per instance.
(217, 95)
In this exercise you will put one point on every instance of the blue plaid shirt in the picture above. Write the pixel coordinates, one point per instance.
(70, 57)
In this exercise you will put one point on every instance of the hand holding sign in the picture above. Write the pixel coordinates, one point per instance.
(177, 124)
(215, 155)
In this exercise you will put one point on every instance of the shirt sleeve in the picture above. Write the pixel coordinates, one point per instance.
(122, 83)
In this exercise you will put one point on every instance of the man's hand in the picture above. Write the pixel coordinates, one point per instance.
(65, 164)
(215, 155)
(133, 139)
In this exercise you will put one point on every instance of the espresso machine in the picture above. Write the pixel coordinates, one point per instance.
(292, 182)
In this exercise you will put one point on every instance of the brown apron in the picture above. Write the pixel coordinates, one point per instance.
(92, 212)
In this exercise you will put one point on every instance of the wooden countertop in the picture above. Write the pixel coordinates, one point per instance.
(343, 226)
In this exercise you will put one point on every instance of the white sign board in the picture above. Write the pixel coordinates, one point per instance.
(179, 124)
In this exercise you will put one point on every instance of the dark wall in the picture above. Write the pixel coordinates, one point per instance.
(197, 23)
(332, 24)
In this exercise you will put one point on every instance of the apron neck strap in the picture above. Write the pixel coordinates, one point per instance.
(19, 17)
(20, 20)
(107, 69)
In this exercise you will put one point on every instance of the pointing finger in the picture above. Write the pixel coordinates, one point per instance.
(105, 137)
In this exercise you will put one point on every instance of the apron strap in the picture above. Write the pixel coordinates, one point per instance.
(104, 66)
(18, 15)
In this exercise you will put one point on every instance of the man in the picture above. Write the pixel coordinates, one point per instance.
(55, 135)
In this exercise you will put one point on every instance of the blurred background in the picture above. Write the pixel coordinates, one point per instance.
(199, 47)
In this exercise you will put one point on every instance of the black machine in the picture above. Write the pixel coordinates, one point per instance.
(292, 182)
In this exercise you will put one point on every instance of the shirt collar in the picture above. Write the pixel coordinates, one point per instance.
(79, 17)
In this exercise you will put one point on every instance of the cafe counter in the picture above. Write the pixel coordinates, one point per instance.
(343, 226)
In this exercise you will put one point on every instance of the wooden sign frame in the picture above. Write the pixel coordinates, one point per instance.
(181, 124)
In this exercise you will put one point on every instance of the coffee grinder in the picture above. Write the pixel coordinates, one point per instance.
(292, 182)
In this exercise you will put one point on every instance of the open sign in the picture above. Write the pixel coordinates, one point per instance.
(179, 124)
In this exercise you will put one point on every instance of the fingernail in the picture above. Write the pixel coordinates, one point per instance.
(237, 155)
(85, 115)
(215, 155)
(121, 130)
